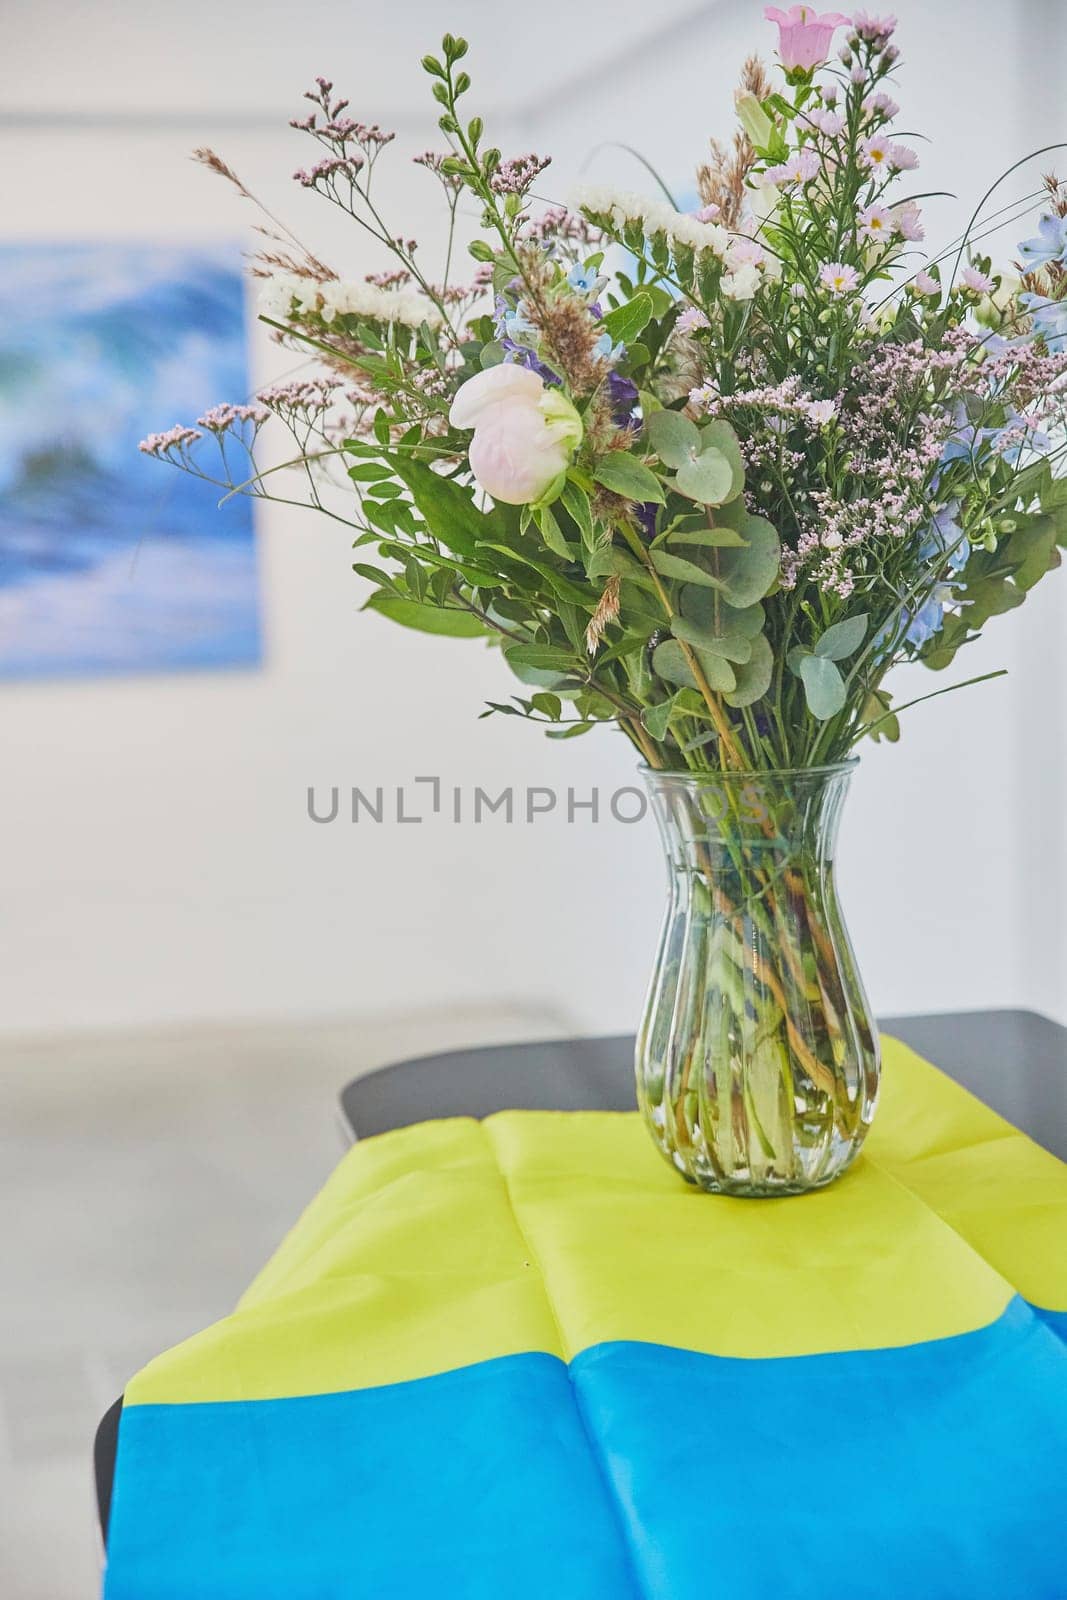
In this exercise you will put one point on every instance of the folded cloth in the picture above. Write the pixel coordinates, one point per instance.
(520, 1358)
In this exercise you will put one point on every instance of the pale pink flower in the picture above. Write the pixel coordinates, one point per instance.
(802, 167)
(838, 277)
(858, 75)
(902, 158)
(876, 222)
(829, 122)
(875, 153)
(881, 105)
(803, 35)
(874, 28)
(924, 283)
(979, 282)
(524, 433)
(745, 252)
(709, 213)
(691, 319)
(908, 220)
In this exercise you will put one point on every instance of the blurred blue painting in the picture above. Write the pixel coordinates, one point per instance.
(111, 562)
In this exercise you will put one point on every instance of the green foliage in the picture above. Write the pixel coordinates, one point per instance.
(624, 475)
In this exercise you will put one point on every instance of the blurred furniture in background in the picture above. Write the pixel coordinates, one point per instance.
(1016, 1061)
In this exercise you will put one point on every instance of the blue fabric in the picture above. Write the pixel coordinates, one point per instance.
(933, 1471)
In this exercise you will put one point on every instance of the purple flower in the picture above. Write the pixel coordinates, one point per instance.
(622, 392)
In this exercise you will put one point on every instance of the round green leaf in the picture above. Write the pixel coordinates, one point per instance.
(707, 478)
(673, 437)
(747, 574)
(754, 675)
(824, 687)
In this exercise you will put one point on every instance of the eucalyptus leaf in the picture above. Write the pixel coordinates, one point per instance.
(669, 662)
(843, 638)
(707, 478)
(747, 574)
(718, 435)
(754, 675)
(673, 437)
(731, 646)
(824, 687)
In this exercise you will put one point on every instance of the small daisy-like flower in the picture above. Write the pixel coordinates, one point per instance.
(925, 283)
(903, 158)
(822, 412)
(978, 282)
(875, 153)
(829, 122)
(908, 221)
(876, 222)
(881, 105)
(709, 213)
(838, 277)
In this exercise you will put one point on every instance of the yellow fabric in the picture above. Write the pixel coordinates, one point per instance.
(449, 1243)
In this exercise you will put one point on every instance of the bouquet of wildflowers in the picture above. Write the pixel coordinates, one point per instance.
(707, 476)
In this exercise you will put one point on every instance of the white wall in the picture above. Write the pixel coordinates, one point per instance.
(158, 861)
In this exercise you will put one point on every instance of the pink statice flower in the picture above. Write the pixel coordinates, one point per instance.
(876, 222)
(977, 282)
(838, 277)
(691, 319)
(908, 221)
(804, 35)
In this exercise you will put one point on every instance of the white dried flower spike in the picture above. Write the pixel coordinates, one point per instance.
(655, 216)
(336, 297)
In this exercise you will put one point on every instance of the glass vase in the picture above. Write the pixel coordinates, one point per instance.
(757, 1058)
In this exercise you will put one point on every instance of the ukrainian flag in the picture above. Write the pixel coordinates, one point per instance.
(519, 1359)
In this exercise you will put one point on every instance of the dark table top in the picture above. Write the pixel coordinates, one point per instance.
(1016, 1061)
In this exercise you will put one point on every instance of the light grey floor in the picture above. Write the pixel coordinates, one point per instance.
(143, 1181)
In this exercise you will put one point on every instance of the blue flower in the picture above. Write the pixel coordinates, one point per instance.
(944, 542)
(1050, 320)
(968, 437)
(511, 323)
(604, 347)
(584, 279)
(928, 620)
(1049, 245)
